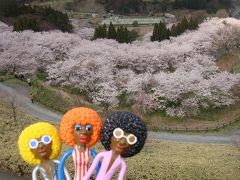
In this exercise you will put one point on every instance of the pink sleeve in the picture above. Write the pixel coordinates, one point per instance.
(123, 170)
(93, 166)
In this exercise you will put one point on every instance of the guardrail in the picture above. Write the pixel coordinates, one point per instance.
(198, 129)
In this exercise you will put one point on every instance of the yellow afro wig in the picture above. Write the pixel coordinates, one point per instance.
(83, 116)
(35, 131)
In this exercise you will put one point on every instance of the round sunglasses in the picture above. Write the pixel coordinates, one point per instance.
(33, 143)
(118, 133)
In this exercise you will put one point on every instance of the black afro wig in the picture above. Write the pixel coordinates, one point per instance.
(128, 122)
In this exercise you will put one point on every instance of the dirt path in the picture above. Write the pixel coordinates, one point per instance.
(20, 93)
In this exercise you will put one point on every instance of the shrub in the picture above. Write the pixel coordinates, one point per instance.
(135, 23)
(23, 23)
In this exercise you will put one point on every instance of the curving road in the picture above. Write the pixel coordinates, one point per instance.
(21, 97)
(20, 94)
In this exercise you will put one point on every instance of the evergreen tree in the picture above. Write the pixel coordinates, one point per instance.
(96, 33)
(191, 24)
(120, 34)
(195, 24)
(155, 31)
(174, 31)
(162, 32)
(184, 24)
(125, 35)
(179, 28)
(132, 36)
(59, 19)
(104, 31)
(168, 34)
(23, 23)
(111, 32)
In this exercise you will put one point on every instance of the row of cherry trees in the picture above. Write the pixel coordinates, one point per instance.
(178, 76)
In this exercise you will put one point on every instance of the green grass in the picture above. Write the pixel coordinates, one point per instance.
(172, 161)
(5, 77)
(236, 69)
(212, 114)
(41, 75)
(12, 80)
(72, 90)
(50, 97)
(58, 98)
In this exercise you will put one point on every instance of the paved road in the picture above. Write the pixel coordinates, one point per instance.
(21, 95)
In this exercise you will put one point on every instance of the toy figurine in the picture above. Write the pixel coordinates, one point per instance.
(123, 135)
(39, 144)
(80, 128)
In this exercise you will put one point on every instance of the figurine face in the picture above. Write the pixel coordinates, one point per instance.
(82, 134)
(121, 141)
(41, 147)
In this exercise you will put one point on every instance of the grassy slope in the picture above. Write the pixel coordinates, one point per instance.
(63, 99)
(48, 96)
(169, 160)
(81, 6)
(60, 100)
(158, 160)
(57, 99)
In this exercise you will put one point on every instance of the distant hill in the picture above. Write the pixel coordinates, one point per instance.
(23, 16)
(82, 6)
(126, 7)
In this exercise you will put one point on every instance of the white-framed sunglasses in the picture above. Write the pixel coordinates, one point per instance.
(33, 143)
(118, 133)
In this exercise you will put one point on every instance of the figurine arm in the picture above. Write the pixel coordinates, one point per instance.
(94, 154)
(61, 164)
(123, 170)
(34, 173)
(93, 166)
(67, 176)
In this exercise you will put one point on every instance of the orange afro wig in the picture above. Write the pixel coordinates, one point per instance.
(83, 116)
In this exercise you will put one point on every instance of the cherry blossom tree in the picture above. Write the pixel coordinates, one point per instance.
(179, 76)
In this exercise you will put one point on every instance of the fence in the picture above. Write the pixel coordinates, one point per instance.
(198, 129)
(130, 21)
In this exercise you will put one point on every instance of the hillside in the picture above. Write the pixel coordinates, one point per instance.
(37, 18)
(83, 6)
(130, 7)
(178, 77)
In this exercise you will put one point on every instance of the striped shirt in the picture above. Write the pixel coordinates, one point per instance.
(80, 160)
